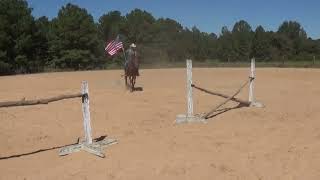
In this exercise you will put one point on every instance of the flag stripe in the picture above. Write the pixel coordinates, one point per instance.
(109, 45)
(113, 46)
(114, 50)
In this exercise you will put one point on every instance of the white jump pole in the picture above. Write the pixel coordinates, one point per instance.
(189, 88)
(252, 76)
(86, 113)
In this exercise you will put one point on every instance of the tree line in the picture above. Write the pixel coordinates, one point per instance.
(74, 41)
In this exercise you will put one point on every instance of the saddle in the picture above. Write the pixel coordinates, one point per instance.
(132, 69)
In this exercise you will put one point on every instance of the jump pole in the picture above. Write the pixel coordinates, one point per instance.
(87, 145)
(190, 117)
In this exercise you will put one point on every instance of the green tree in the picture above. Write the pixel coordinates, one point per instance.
(74, 42)
(140, 26)
(111, 24)
(140, 30)
(261, 45)
(294, 32)
(17, 29)
(317, 48)
(292, 29)
(242, 38)
(198, 45)
(282, 47)
(225, 45)
(166, 40)
(40, 44)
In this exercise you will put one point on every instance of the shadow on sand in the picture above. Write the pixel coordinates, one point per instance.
(138, 89)
(46, 149)
(224, 110)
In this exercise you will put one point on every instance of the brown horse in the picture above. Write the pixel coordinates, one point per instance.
(131, 72)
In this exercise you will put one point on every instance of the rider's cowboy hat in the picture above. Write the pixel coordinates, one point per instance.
(133, 45)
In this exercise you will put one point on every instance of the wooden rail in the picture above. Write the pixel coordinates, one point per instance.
(39, 101)
(246, 103)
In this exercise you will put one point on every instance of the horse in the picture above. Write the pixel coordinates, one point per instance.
(131, 72)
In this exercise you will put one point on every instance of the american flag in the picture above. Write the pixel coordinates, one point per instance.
(113, 46)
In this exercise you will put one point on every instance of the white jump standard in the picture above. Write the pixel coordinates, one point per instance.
(87, 145)
(253, 102)
(190, 117)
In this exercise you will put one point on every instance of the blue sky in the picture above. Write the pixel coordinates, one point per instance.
(208, 16)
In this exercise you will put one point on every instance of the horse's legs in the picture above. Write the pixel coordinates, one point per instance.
(126, 80)
(131, 83)
(134, 81)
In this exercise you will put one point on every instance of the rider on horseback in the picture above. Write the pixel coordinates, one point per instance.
(131, 57)
(131, 67)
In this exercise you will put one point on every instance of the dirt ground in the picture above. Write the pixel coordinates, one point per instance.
(278, 142)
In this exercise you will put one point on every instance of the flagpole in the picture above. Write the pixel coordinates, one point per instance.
(124, 54)
(125, 60)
